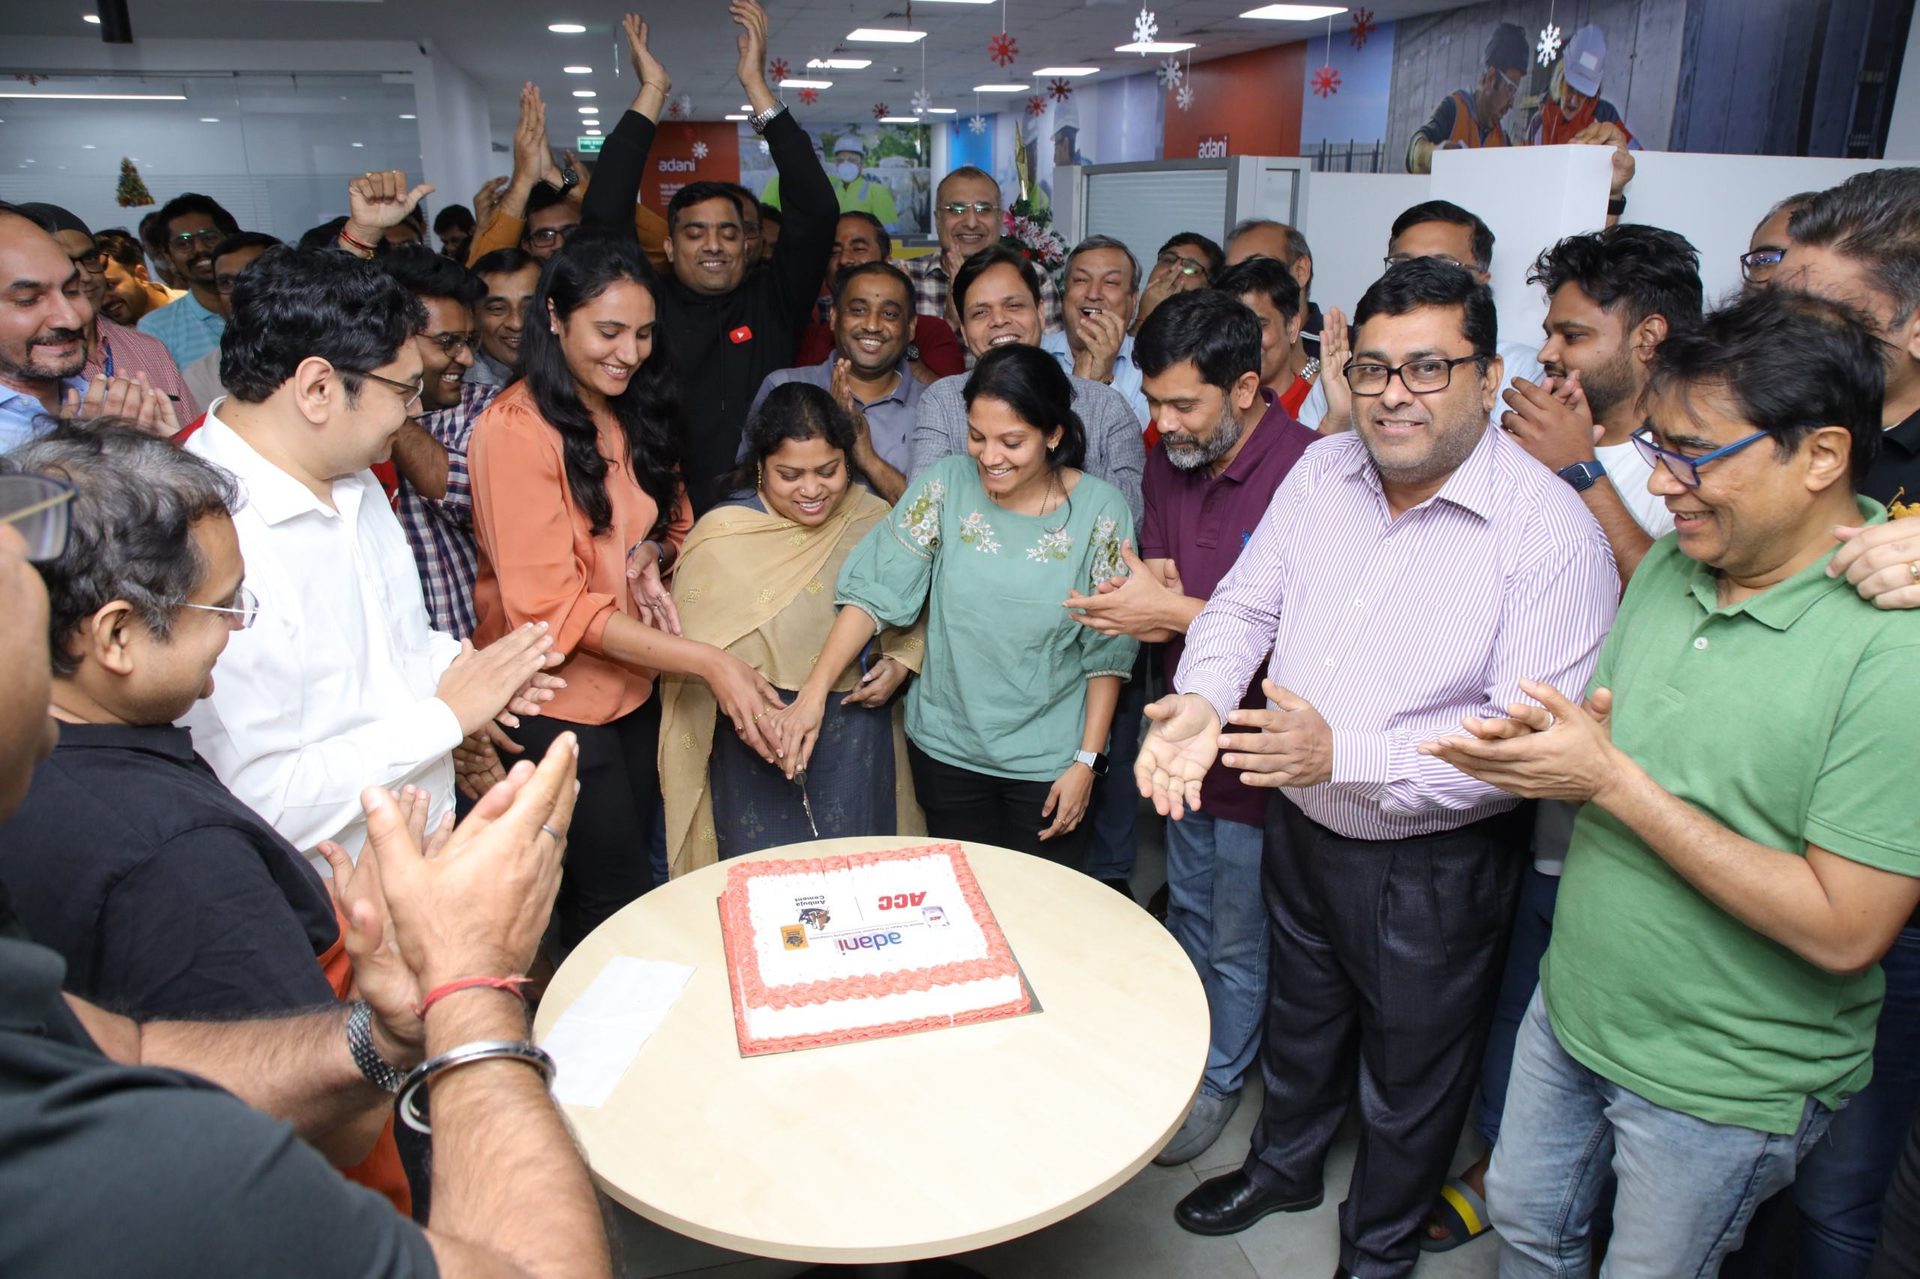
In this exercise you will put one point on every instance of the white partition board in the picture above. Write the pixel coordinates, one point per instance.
(1348, 218)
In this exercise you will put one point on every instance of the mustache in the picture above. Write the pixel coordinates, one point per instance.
(57, 337)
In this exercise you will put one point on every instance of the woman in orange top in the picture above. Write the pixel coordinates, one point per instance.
(574, 477)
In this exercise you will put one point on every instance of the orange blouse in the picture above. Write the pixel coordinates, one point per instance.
(539, 563)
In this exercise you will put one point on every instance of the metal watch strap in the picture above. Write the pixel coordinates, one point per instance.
(765, 118)
(360, 1043)
(1093, 760)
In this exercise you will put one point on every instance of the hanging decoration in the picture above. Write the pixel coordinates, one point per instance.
(1184, 98)
(809, 96)
(1036, 105)
(699, 150)
(1326, 81)
(1363, 26)
(1170, 73)
(681, 108)
(132, 193)
(1003, 49)
(777, 70)
(1060, 90)
(1145, 28)
(1549, 47)
(921, 101)
(977, 123)
(880, 109)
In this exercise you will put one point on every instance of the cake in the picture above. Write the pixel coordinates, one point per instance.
(832, 950)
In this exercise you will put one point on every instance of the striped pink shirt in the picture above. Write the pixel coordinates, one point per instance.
(1394, 629)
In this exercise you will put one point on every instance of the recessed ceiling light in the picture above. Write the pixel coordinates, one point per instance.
(944, 110)
(806, 84)
(885, 35)
(589, 110)
(88, 146)
(209, 119)
(578, 70)
(734, 116)
(566, 28)
(593, 133)
(899, 119)
(99, 97)
(1068, 71)
(409, 117)
(1294, 12)
(359, 144)
(1001, 88)
(585, 93)
(1154, 46)
(94, 18)
(838, 64)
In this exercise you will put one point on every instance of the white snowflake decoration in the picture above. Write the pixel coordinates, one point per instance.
(921, 101)
(1184, 98)
(764, 148)
(699, 150)
(977, 123)
(1145, 28)
(1170, 73)
(1549, 47)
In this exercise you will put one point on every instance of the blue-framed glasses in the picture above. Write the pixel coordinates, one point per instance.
(1683, 468)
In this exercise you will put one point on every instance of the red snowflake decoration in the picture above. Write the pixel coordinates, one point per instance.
(30, 79)
(1060, 90)
(1326, 82)
(1363, 25)
(1036, 105)
(777, 70)
(880, 109)
(1003, 49)
(809, 96)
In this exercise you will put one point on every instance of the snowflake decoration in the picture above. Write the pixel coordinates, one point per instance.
(1171, 73)
(765, 148)
(1003, 49)
(1326, 81)
(1184, 98)
(977, 123)
(1036, 105)
(680, 108)
(921, 101)
(809, 96)
(699, 150)
(1060, 90)
(1363, 25)
(778, 70)
(1145, 28)
(1549, 47)
(880, 109)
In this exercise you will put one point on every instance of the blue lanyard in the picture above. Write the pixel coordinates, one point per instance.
(106, 357)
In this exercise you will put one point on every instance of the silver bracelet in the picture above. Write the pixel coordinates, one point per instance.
(466, 1055)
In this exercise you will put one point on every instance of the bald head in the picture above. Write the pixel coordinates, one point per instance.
(1261, 238)
(46, 312)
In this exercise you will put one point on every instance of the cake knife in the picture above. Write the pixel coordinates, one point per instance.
(806, 804)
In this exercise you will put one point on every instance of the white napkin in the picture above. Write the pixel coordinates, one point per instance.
(596, 1039)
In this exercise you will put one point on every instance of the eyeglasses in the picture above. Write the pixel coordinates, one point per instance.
(241, 611)
(1186, 266)
(1418, 376)
(223, 284)
(39, 509)
(1756, 266)
(209, 238)
(1401, 259)
(549, 236)
(978, 206)
(451, 342)
(1679, 465)
(93, 260)
(411, 390)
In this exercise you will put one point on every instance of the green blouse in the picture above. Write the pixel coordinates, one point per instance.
(1004, 687)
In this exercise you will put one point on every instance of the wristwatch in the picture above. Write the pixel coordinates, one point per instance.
(376, 1068)
(1097, 762)
(764, 118)
(1581, 475)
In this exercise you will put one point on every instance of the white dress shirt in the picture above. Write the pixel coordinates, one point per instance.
(331, 690)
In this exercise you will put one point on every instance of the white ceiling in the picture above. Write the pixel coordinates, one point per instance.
(502, 42)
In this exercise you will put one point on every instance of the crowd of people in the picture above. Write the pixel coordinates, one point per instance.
(1527, 721)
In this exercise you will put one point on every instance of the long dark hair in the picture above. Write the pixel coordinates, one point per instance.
(792, 411)
(649, 410)
(1034, 385)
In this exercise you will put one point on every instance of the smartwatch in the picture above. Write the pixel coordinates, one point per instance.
(1581, 475)
(1093, 760)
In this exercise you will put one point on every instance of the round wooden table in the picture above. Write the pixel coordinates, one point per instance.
(911, 1147)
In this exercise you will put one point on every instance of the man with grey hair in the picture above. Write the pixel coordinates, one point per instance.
(1102, 287)
(1265, 238)
(967, 215)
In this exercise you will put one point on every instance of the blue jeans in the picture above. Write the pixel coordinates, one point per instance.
(1215, 911)
(1686, 1187)
(1844, 1179)
(1532, 930)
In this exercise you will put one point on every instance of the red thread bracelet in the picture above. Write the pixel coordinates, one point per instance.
(439, 993)
(364, 248)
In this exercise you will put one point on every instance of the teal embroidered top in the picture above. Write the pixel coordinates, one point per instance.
(1003, 690)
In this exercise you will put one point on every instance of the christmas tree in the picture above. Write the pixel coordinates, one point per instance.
(132, 192)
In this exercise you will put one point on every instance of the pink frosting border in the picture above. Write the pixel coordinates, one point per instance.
(749, 987)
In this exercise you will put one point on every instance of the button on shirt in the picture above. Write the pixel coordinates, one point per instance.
(331, 690)
(188, 329)
(23, 417)
(889, 418)
(1126, 374)
(1394, 628)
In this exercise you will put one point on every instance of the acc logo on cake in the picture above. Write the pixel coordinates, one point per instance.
(793, 937)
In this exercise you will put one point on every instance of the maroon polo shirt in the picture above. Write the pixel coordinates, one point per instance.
(1200, 521)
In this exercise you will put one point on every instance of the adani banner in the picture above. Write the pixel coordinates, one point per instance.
(685, 152)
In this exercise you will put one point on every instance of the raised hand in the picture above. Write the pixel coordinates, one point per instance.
(132, 399)
(1177, 752)
(1336, 348)
(532, 156)
(1558, 432)
(1102, 333)
(487, 199)
(752, 42)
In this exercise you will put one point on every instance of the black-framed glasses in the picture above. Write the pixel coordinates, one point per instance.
(1421, 376)
(208, 238)
(412, 390)
(959, 209)
(40, 510)
(92, 260)
(548, 237)
(1756, 266)
(451, 342)
(1401, 259)
(1183, 264)
(241, 611)
(1679, 465)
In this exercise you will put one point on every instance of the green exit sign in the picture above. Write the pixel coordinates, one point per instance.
(589, 146)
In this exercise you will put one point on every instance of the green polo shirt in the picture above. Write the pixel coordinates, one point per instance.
(1786, 717)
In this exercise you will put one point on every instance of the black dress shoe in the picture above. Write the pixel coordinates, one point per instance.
(1229, 1204)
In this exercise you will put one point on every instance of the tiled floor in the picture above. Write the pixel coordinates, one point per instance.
(1128, 1235)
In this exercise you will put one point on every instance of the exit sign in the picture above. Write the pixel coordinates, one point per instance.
(589, 146)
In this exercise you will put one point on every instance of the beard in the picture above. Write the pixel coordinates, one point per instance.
(1191, 455)
(25, 370)
(1607, 386)
(1452, 444)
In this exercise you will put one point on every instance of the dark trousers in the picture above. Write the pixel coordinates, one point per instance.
(609, 856)
(1898, 1254)
(1385, 962)
(962, 804)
